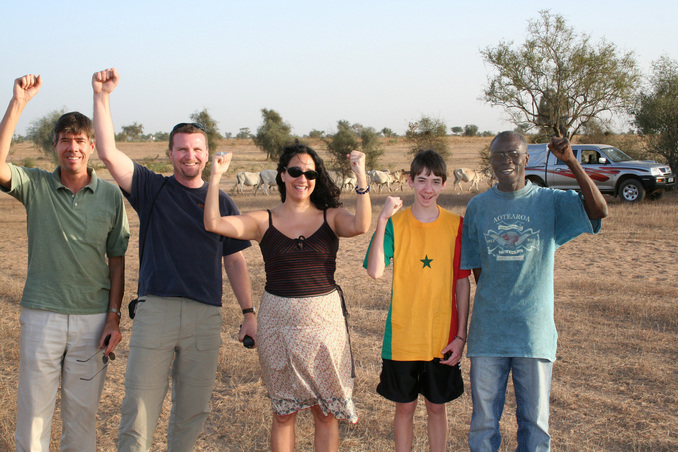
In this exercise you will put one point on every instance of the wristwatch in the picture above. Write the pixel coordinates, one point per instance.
(252, 310)
(117, 311)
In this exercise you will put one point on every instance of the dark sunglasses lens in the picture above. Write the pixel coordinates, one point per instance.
(110, 356)
(294, 171)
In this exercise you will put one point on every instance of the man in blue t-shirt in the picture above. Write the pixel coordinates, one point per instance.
(509, 239)
(178, 320)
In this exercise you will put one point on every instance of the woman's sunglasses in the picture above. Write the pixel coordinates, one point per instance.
(295, 171)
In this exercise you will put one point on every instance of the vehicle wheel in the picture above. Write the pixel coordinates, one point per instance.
(656, 195)
(632, 190)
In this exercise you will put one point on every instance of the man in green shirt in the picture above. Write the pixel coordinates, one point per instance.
(77, 238)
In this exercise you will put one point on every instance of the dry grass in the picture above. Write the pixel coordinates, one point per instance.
(615, 383)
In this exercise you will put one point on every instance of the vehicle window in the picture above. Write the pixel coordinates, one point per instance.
(615, 154)
(589, 157)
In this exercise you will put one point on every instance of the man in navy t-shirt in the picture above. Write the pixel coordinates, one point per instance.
(178, 319)
(509, 238)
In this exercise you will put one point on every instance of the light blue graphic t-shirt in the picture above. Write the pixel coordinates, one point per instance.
(512, 237)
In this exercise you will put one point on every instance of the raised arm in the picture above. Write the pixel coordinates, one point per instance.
(594, 202)
(347, 224)
(118, 163)
(376, 260)
(24, 89)
(244, 227)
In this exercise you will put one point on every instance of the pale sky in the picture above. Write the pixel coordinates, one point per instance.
(377, 63)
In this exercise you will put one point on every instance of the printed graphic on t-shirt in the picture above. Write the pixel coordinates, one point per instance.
(512, 238)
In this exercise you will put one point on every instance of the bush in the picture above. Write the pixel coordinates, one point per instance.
(428, 133)
(40, 132)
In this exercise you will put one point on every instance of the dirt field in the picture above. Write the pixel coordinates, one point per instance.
(615, 383)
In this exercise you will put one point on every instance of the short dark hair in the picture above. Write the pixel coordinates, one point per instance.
(326, 193)
(75, 123)
(187, 127)
(507, 135)
(428, 161)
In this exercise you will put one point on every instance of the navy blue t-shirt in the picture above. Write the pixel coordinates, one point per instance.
(180, 258)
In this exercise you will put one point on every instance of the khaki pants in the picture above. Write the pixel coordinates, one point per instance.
(177, 334)
(51, 345)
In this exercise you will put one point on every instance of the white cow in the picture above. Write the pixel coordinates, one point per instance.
(401, 177)
(468, 175)
(381, 178)
(245, 179)
(345, 183)
(349, 182)
(266, 179)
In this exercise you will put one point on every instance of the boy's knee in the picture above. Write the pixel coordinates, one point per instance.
(406, 409)
(436, 409)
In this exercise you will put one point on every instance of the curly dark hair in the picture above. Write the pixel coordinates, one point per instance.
(326, 193)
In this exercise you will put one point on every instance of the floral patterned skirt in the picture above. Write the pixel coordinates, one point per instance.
(305, 354)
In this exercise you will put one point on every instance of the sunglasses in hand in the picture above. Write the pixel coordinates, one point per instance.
(104, 359)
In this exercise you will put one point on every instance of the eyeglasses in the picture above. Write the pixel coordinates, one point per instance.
(185, 124)
(295, 171)
(104, 359)
(500, 157)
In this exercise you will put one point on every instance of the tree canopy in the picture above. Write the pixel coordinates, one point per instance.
(350, 137)
(210, 125)
(41, 131)
(656, 113)
(470, 130)
(371, 146)
(131, 132)
(557, 81)
(340, 144)
(273, 135)
(428, 133)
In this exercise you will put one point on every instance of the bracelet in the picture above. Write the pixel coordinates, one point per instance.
(362, 191)
(460, 338)
(116, 311)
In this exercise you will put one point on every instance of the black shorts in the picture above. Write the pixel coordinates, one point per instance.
(403, 381)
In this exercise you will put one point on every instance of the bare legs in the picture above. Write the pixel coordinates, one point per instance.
(326, 432)
(403, 426)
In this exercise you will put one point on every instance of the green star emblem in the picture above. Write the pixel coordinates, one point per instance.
(427, 262)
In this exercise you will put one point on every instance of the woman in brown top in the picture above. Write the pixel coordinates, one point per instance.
(302, 339)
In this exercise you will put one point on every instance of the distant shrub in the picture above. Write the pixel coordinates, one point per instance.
(28, 162)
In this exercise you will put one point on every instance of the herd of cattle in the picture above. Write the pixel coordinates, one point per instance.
(377, 179)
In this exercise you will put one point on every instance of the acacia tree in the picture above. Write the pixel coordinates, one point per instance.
(273, 135)
(244, 133)
(41, 133)
(558, 81)
(371, 146)
(427, 133)
(210, 125)
(131, 132)
(470, 130)
(340, 144)
(656, 114)
(212, 131)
